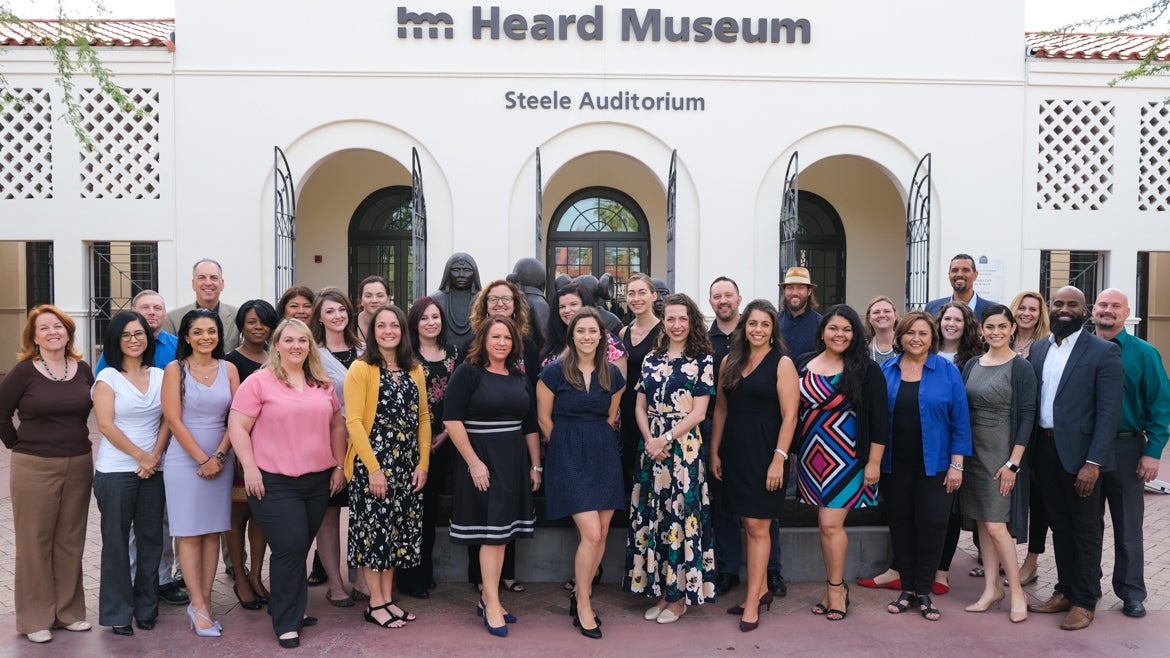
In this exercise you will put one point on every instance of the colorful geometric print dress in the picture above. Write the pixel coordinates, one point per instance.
(670, 548)
(828, 470)
(387, 534)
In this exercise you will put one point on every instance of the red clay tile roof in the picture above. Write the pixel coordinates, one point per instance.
(141, 33)
(1095, 46)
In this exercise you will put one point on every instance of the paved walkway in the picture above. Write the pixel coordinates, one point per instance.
(447, 625)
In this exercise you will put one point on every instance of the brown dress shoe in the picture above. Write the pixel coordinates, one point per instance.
(1056, 603)
(1077, 618)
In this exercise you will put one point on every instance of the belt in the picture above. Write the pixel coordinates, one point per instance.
(1131, 435)
(1047, 433)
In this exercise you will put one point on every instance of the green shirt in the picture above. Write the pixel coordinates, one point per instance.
(1145, 407)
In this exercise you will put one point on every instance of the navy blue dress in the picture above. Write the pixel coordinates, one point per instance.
(583, 469)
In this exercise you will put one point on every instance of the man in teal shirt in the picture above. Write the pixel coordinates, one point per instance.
(1145, 425)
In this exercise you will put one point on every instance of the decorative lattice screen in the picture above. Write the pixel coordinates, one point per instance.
(26, 141)
(124, 162)
(1154, 163)
(1075, 145)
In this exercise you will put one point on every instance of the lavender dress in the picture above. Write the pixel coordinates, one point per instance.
(197, 506)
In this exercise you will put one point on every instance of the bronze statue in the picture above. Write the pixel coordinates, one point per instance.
(528, 274)
(591, 285)
(456, 294)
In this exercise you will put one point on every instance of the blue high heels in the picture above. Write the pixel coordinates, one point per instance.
(509, 618)
(215, 629)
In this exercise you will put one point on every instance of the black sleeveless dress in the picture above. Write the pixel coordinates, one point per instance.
(629, 425)
(749, 438)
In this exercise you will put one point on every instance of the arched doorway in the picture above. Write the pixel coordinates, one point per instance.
(380, 242)
(598, 230)
(821, 243)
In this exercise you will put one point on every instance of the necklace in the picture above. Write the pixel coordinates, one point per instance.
(53, 377)
(875, 352)
(206, 377)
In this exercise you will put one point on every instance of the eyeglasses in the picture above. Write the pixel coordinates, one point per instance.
(137, 335)
(494, 299)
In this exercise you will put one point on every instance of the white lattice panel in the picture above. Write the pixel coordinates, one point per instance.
(1075, 170)
(1154, 163)
(26, 146)
(124, 161)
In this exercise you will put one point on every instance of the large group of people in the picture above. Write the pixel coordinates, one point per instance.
(254, 426)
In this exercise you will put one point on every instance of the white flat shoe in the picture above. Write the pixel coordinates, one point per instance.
(40, 637)
(78, 626)
(652, 613)
(668, 616)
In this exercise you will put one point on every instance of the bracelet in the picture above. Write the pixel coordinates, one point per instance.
(206, 460)
(781, 452)
(338, 468)
(958, 466)
(538, 469)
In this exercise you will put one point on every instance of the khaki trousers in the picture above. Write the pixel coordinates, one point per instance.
(50, 508)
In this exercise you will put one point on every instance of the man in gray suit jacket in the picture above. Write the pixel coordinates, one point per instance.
(207, 282)
(1079, 410)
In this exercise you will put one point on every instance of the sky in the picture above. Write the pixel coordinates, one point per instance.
(1038, 14)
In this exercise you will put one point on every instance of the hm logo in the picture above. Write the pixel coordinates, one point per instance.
(407, 18)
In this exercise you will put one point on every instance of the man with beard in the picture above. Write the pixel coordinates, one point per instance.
(1078, 415)
(962, 275)
(1145, 425)
(798, 315)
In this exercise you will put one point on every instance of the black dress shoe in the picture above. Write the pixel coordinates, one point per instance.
(308, 621)
(776, 583)
(725, 582)
(147, 624)
(422, 593)
(1133, 608)
(290, 642)
(170, 593)
(123, 630)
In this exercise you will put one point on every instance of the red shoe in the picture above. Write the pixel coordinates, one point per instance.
(871, 583)
(938, 589)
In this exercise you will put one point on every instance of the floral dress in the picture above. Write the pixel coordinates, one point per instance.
(387, 534)
(670, 547)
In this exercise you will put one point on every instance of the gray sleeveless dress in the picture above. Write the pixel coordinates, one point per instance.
(989, 395)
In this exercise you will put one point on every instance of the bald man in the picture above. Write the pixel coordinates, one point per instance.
(1145, 426)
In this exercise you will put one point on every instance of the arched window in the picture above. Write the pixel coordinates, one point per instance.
(821, 241)
(380, 241)
(598, 230)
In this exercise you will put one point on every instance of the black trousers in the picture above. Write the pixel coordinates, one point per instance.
(919, 508)
(1077, 527)
(1038, 518)
(1124, 492)
(124, 500)
(290, 513)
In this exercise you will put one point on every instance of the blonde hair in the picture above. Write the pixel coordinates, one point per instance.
(315, 374)
(1042, 329)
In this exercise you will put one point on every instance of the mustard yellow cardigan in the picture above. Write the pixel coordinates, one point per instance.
(361, 404)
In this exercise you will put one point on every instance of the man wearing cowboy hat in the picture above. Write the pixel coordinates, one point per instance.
(798, 315)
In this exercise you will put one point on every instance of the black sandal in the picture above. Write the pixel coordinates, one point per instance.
(833, 614)
(406, 614)
(513, 587)
(926, 607)
(902, 603)
(389, 623)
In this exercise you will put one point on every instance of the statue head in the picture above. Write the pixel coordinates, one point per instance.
(528, 272)
(588, 283)
(662, 289)
(461, 273)
(562, 280)
(604, 292)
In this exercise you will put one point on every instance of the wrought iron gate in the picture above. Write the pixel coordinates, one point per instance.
(539, 209)
(118, 271)
(789, 217)
(671, 190)
(418, 227)
(284, 205)
(918, 237)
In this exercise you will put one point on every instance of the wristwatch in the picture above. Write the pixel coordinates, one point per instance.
(538, 469)
(1012, 466)
(220, 456)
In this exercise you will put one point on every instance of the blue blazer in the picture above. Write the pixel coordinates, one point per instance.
(942, 405)
(1087, 410)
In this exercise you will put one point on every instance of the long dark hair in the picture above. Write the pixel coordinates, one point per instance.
(698, 341)
(969, 345)
(477, 355)
(185, 350)
(731, 372)
(856, 356)
(318, 327)
(414, 317)
(572, 362)
(112, 349)
(403, 354)
(556, 337)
